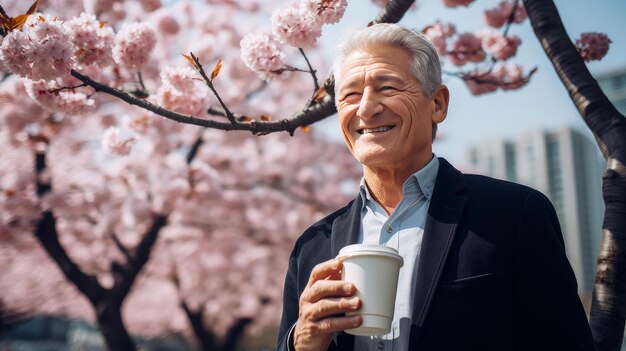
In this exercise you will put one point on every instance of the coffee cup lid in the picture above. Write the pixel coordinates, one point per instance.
(364, 250)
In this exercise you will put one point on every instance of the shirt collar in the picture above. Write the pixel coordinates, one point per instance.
(422, 181)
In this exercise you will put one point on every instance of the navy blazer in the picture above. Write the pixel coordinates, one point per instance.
(492, 272)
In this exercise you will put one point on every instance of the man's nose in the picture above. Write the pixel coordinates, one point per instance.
(370, 104)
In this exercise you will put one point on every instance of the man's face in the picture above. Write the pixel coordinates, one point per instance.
(385, 117)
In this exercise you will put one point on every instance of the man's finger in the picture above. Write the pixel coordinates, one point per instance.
(335, 324)
(334, 306)
(327, 288)
(326, 269)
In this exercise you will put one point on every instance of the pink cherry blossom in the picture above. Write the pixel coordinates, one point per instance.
(40, 50)
(13, 55)
(501, 47)
(141, 123)
(245, 5)
(133, 45)
(151, 5)
(71, 103)
(480, 82)
(166, 23)
(438, 33)
(326, 11)
(505, 77)
(114, 144)
(97, 7)
(511, 76)
(466, 48)
(180, 78)
(19, 207)
(18, 111)
(296, 26)
(92, 41)
(109, 11)
(456, 3)
(234, 176)
(592, 45)
(75, 103)
(499, 15)
(261, 54)
(182, 93)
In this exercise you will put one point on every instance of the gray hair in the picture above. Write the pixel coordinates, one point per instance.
(425, 64)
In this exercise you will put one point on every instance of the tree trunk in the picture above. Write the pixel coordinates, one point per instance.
(112, 327)
(608, 308)
(208, 341)
(235, 334)
(205, 337)
(106, 302)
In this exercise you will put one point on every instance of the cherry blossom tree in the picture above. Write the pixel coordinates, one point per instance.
(98, 182)
(111, 68)
(218, 264)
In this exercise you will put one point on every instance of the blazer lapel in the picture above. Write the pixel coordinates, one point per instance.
(441, 223)
(346, 228)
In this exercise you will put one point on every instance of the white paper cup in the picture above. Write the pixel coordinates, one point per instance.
(374, 270)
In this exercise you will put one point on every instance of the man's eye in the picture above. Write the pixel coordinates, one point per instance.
(387, 88)
(350, 95)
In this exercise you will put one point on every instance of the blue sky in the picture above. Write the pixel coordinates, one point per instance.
(543, 103)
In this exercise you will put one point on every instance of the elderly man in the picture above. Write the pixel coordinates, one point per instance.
(484, 260)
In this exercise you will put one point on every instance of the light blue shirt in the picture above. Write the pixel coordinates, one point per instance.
(403, 231)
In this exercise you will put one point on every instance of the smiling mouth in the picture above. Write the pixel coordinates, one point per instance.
(374, 130)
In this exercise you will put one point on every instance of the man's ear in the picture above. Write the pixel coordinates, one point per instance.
(441, 97)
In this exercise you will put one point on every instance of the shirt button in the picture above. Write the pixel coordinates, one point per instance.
(381, 344)
(389, 229)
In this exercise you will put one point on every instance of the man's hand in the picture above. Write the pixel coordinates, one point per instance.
(325, 297)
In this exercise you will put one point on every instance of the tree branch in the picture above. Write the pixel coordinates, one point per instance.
(54, 91)
(486, 78)
(142, 86)
(317, 112)
(311, 70)
(205, 337)
(3, 32)
(47, 235)
(314, 112)
(235, 334)
(125, 277)
(121, 247)
(511, 18)
(288, 68)
(193, 151)
(209, 83)
(216, 111)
